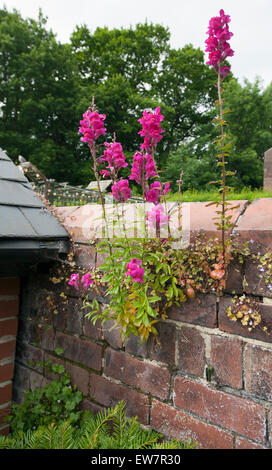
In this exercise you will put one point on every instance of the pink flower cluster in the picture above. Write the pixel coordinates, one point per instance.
(143, 168)
(217, 43)
(157, 218)
(85, 281)
(92, 126)
(121, 190)
(156, 191)
(115, 158)
(134, 270)
(151, 131)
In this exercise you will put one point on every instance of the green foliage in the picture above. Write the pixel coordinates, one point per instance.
(108, 429)
(58, 401)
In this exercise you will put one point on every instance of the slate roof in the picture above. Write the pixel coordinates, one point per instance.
(28, 230)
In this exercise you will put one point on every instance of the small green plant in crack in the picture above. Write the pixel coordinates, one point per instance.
(56, 402)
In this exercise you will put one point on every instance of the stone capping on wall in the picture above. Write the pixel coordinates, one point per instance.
(9, 309)
(164, 381)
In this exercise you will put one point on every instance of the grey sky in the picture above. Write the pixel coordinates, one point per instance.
(187, 20)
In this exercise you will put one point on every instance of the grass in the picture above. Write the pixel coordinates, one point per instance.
(203, 196)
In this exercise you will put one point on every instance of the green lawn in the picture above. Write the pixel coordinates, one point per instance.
(203, 196)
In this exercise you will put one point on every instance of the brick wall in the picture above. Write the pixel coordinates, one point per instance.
(163, 382)
(9, 309)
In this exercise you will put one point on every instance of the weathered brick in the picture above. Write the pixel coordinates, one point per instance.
(226, 359)
(4, 412)
(5, 392)
(80, 350)
(9, 285)
(147, 377)
(234, 282)
(242, 443)
(87, 405)
(6, 371)
(178, 425)
(4, 431)
(21, 376)
(133, 345)
(7, 349)
(201, 311)
(74, 314)
(235, 327)
(108, 394)
(254, 284)
(191, 351)
(37, 380)
(8, 327)
(258, 371)
(163, 345)
(85, 256)
(229, 411)
(90, 330)
(29, 356)
(9, 306)
(112, 334)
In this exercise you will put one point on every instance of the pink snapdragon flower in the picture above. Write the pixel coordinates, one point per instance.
(85, 281)
(217, 43)
(156, 191)
(92, 126)
(157, 218)
(143, 168)
(121, 190)
(151, 128)
(114, 156)
(74, 281)
(134, 270)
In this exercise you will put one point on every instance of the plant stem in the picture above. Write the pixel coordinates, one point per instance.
(223, 173)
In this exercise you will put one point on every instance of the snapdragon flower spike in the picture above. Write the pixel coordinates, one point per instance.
(92, 126)
(115, 158)
(217, 43)
(151, 129)
(121, 190)
(85, 281)
(134, 270)
(143, 168)
(156, 191)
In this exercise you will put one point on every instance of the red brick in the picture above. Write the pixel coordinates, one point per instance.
(258, 371)
(235, 327)
(9, 306)
(73, 315)
(108, 394)
(234, 281)
(229, 411)
(201, 311)
(8, 327)
(242, 443)
(254, 284)
(226, 359)
(4, 431)
(191, 351)
(90, 330)
(9, 286)
(87, 405)
(37, 380)
(29, 355)
(256, 223)
(80, 350)
(134, 346)
(4, 412)
(5, 392)
(112, 334)
(6, 371)
(147, 377)
(7, 349)
(163, 345)
(178, 425)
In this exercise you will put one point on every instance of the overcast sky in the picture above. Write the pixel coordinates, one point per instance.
(187, 20)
